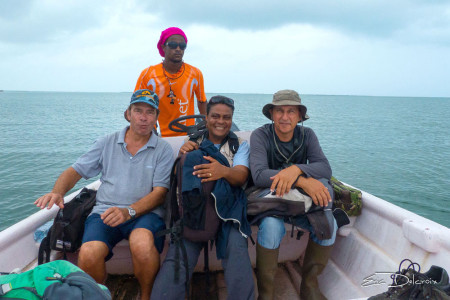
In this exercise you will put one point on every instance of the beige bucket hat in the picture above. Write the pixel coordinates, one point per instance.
(285, 97)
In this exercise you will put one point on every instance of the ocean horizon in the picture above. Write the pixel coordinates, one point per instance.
(396, 148)
(230, 93)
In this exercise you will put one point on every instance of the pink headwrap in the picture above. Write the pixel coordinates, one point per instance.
(165, 35)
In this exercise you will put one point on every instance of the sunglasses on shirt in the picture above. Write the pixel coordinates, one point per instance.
(175, 45)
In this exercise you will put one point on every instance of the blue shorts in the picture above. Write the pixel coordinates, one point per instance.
(96, 230)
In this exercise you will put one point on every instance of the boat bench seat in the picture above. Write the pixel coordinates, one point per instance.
(291, 249)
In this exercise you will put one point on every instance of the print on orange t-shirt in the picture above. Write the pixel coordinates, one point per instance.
(187, 82)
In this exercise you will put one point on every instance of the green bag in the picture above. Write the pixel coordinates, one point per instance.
(32, 284)
(346, 198)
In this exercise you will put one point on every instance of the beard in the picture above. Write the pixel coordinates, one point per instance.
(176, 60)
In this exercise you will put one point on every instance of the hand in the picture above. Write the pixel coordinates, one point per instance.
(115, 216)
(283, 181)
(50, 199)
(188, 147)
(211, 171)
(316, 190)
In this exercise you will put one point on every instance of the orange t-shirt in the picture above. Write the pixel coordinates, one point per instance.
(187, 82)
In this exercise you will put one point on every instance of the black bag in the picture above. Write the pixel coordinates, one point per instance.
(193, 215)
(260, 200)
(261, 203)
(67, 230)
(197, 210)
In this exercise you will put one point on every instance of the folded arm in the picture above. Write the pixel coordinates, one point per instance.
(303, 176)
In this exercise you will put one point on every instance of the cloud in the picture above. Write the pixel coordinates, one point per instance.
(105, 57)
(36, 21)
(379, 19)
(314, 60)
(379, 48)
(28, 21)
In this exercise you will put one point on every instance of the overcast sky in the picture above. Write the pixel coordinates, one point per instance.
(356, 47)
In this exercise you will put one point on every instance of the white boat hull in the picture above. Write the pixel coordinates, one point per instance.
(374, 242)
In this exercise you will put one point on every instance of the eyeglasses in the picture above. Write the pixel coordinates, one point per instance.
(175, 45)
(221, 100)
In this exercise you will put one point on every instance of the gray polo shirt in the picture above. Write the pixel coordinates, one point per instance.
(126, 178)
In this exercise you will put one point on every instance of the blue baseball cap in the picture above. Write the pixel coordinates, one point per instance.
(145, 96)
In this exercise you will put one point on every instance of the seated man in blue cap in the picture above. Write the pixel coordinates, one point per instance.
(135, 167)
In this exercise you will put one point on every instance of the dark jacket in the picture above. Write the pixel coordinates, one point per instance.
(230, 201)
(265, 162)
(314, 165)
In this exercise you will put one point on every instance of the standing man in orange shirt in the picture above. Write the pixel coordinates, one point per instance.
(174, 81)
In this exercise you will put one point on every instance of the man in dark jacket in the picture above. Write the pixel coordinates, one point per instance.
(284, 155)
(215, 151)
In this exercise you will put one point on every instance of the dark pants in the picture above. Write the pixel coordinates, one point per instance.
(236, 265)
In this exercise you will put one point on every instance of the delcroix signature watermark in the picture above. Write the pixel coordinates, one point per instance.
(396, 280)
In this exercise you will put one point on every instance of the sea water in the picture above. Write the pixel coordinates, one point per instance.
(395, 148)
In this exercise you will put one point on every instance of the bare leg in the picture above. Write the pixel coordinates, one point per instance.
(145, 259)
(92, 259)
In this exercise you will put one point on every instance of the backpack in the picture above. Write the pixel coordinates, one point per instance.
(58, 279)
(347, 202)
(193, 214)
(193, 217)
(262, 203)
(67, 230)
(260, 200)
(194, 211)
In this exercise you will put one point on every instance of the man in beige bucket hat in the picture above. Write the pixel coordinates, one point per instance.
(286, 97)
(285, 155)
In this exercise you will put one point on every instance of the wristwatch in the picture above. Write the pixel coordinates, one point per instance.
(131, 212)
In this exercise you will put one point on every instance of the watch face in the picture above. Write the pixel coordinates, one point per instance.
(132, 212)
